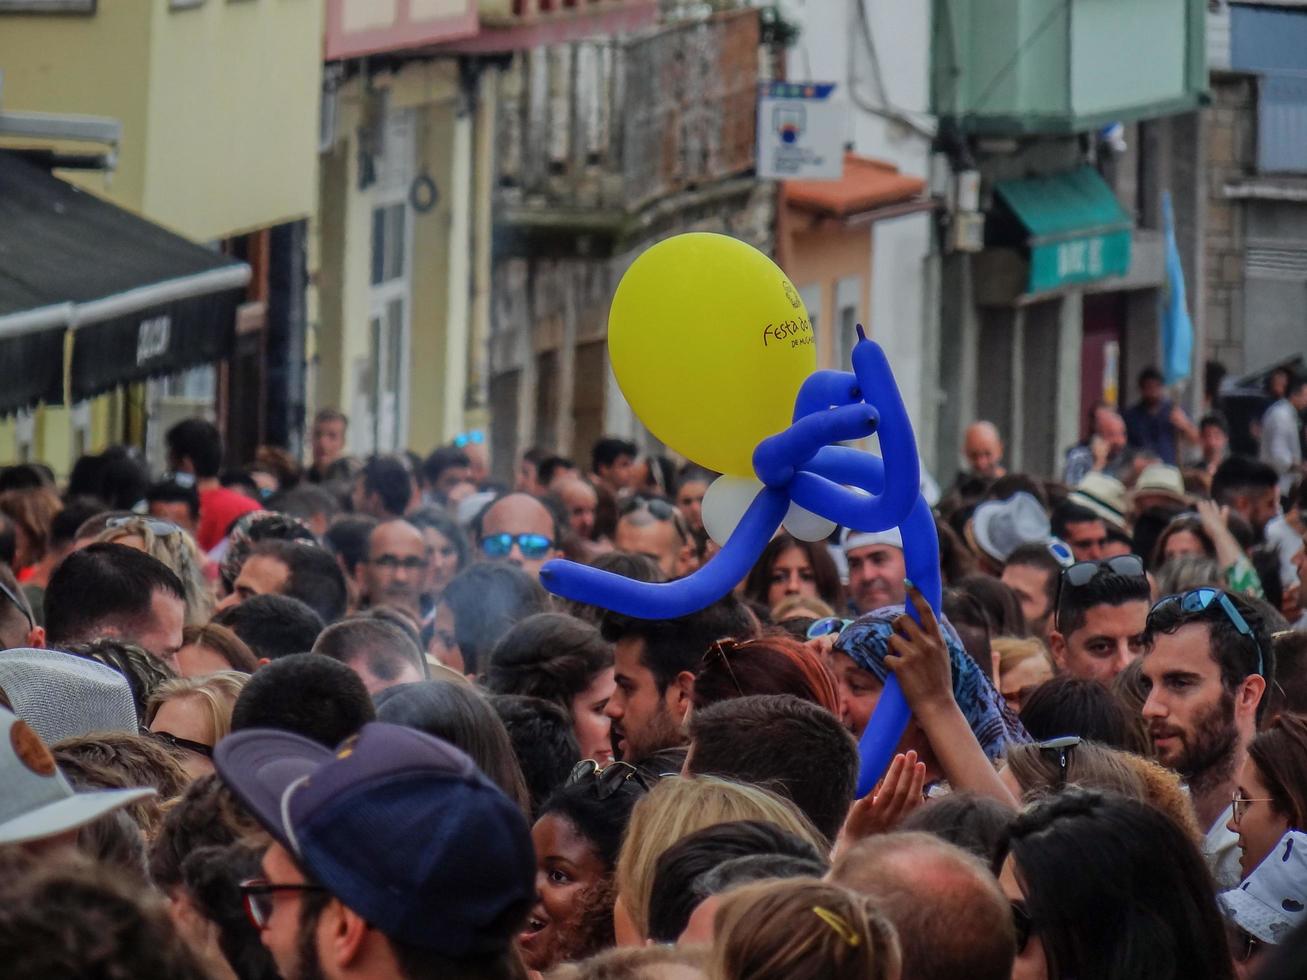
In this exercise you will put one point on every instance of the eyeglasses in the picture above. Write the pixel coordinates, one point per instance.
(722, 649)
(1239, 804)
(610, 779)
(1080, 574)
(501, 545)
(391, 563)
(18, 604)
(660, 509)
(169, 739)
(257, 894)
(1061, 748)
(827, 626)
(155, 525)
(1198, 600)
(475, 438)
(1023, 925)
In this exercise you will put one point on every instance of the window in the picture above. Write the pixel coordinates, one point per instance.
(47, 6)
(848, 314)
(811, 296)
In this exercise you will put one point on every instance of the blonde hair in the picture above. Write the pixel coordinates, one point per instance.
(632, 963)
(678, 806)
(218, 692)
(180, 553)
(801, 605)
(1014, 650)
(802, 929)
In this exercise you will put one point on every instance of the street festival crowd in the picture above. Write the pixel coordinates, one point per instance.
(324, 721)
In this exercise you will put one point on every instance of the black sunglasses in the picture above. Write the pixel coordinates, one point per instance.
(1198, 600)
(18, 604)
(610, 779)
(171, 740)
(1022, 924)
(1080, 574)
(1060, 749)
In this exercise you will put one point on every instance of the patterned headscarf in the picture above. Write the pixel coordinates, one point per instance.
(866, 641)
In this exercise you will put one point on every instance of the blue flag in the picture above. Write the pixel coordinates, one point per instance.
(1177, 328)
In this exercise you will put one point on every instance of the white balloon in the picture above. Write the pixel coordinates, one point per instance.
(805, 525)
(725, 503)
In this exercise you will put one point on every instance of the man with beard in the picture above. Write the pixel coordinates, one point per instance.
(1207, 667)
(392, 858)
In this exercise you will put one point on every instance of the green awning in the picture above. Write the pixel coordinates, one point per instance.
(1078, 230)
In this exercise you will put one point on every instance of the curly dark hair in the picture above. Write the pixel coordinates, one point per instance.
(549, 655)
(212, 877)
(69, 917)
(143, 670)
(207, 815)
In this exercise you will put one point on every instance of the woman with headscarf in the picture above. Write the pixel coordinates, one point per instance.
(960, 724)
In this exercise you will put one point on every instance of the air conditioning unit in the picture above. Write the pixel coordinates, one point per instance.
(966, 232)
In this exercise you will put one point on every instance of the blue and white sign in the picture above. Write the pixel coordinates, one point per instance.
(801, 131)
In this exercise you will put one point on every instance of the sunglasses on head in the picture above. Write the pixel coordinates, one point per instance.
(155, 525)
(1198, 600)
(827, 626)
(474, 438)
(501, 545)
(1080, 574)
(9, 595)
(609, 779)
(1059, 749)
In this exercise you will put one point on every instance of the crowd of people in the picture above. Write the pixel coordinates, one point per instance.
(323, 721)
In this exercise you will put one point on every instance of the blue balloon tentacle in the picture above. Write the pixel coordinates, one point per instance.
(822, 389)
(852, 467)
(884, 731)
(778, 457)
(898, 444)
(668, 600)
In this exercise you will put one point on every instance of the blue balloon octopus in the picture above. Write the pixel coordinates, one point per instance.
(805, 465)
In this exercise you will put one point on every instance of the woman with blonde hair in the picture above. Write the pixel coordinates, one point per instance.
(171, 545)
(1022, 664)
(678, 806)
(802, 929)
(192, 714)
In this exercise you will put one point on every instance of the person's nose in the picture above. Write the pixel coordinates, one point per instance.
(613, 708)
(792, 582)
(1153, 707)
(515, 556)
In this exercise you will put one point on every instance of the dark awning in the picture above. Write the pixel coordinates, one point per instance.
(141, 300)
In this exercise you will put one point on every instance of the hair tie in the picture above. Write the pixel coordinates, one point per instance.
(839, 924)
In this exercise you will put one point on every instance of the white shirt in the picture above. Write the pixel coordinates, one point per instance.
(1281, 447)
(1287, 543)
(1221, 849)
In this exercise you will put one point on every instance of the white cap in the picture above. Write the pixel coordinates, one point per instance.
(851, 539)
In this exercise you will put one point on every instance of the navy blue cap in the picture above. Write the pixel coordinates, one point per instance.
(400, 826)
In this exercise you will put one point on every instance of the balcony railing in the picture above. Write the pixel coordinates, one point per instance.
(615, 124)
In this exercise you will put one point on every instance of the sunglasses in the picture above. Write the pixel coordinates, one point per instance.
(1199, 600)
(155, 525)
(610, 779)
(1080, 574)
(257, 895)
(18, 604)
(501, 545)
(1060, 550)
(1060, 748)
(392, 563)
(827, 626)
(1023, 924)
(474, 438)
(171, 740)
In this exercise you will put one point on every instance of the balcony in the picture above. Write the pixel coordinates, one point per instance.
(592, 134)
(1017, 67)
(519, 25)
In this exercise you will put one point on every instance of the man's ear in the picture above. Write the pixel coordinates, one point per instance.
(1057, 647)
(680, 695)
(36, 637)
(1250, 695)
(341, 934)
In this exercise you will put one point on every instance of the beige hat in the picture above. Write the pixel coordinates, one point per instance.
(1160, 480)
(1104, 495)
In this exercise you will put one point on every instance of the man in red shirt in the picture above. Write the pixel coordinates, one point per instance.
(195, 448)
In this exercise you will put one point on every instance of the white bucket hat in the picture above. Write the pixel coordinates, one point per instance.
(1273, 899)
(1002, 526)
(37, 801)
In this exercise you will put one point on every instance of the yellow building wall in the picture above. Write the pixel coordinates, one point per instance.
(98, 66)
(344, 248)
(233, 115)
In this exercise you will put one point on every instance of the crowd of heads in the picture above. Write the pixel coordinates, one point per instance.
(323, 720)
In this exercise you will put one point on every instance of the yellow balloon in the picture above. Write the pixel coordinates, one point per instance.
(710, 342)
